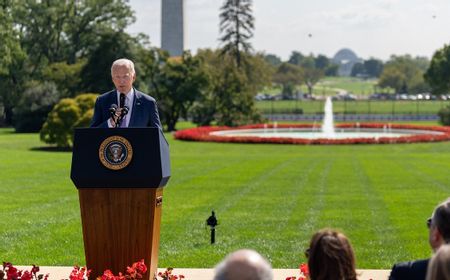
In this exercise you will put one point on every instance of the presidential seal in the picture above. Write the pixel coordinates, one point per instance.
(115, 152)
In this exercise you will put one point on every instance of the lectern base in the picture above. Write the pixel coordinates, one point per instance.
(120, 227)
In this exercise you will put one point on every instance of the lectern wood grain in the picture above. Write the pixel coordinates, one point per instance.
(120, 226)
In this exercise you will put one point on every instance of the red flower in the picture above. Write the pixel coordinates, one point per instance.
(26, 276)
(140, 267)
(304, 269)
(35, 269)
(107, 275)
(12, 273)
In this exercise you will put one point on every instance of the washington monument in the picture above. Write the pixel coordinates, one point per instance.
(172, 26)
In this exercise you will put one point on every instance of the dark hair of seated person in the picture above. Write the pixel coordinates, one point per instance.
(331, 256)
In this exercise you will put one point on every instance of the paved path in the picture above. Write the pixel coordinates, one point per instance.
(63, 272)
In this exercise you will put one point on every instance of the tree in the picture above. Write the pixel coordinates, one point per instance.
(358, 69)
(272, 59)
(289, 76)
(311, 74)
(230, 97)
(373, 67)
(438, 74)
(34, 105)
(12, 63)
(96, 72)
(322, 62)
(55, 31)
(296, 58)
(67, 77)
(404, 74)
(177, 86)
(236, 25)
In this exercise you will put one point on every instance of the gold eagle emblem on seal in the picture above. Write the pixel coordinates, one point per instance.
(115, 152)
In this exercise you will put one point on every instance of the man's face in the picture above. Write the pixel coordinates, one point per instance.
(123, 78)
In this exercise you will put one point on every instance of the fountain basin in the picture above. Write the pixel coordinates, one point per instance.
(371, 133)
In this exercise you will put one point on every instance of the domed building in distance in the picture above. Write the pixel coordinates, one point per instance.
(346, 58)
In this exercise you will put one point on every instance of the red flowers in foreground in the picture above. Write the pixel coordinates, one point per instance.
(203, 134)
(13, 273)
(167, 275)
(136, 271)
(304, 273)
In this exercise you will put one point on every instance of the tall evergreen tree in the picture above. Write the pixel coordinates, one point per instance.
(236, 26)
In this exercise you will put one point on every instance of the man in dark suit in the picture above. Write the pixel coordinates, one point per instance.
(439, 234)
(141, 108)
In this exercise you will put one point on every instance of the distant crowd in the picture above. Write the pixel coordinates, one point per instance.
(330, 257)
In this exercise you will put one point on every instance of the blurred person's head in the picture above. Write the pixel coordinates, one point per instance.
(244, 264)
(439, 225)
(330, 256)
(439, 265)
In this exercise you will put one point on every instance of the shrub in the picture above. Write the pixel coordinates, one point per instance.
(65, 116)
(444, 115)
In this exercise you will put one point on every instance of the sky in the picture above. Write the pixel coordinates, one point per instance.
(371, 28)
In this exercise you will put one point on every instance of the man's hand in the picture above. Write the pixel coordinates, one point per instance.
(116, 117)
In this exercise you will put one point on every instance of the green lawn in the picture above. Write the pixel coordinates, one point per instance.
(329, 86)
(352, 107)
(267, 197)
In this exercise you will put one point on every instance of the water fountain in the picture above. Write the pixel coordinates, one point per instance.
(328, 120)
(311, 133)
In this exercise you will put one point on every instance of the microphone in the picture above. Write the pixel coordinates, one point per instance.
(124, 111)
(113, 109)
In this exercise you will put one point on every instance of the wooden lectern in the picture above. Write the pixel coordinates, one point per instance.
(120, 174)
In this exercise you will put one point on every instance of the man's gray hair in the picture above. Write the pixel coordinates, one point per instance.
(244, 264)
(123, 62)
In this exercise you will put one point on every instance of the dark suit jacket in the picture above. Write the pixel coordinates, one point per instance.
(414, 270)
(143, 114)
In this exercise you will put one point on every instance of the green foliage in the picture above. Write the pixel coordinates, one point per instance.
(66, 76)
(179, 83)
(34, 105)
(96, 73)
(288, 76)
(438, 74)
(272, 59)
(230, 100)
(55, 31)
(236, 25)
(444, 115)
(65, 116)
(404, 74)
(49, 40)
(13, 72)
(373, 67)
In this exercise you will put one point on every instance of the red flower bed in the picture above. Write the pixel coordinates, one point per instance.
(203, 134)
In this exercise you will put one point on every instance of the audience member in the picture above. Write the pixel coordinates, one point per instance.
(244, 265)
(439, 266)
(438, 235)
(330, 256)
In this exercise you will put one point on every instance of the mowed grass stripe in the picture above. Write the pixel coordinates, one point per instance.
(373, 233)
(405, 198)
(231, 184)
(276, 201)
